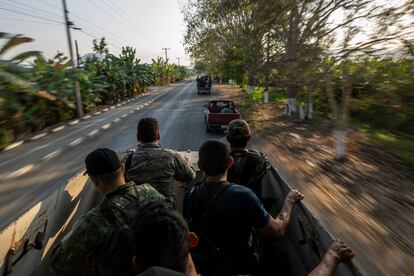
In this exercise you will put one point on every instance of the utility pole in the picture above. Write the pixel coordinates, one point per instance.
(68, 24)
(166, 54)
(178, 61)
(77, 54)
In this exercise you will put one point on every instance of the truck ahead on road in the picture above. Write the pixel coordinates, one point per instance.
(203, 84)
(219, 113)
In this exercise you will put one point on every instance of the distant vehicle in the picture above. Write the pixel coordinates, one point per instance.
(219, 113)
(203, 84)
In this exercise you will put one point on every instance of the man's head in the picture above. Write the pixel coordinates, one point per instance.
(104, 169)
(148, 130)
(238, 133)
(161, 238)
(214, 158)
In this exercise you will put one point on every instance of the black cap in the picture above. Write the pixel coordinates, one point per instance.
(102, 161)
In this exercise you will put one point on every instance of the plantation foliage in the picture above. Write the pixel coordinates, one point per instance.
(37, 93)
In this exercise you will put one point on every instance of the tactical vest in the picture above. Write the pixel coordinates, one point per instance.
(248, 169)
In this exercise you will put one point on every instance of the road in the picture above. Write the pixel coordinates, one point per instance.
(32, 170)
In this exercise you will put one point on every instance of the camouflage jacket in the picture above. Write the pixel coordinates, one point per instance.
(158, 166)
(92, 245)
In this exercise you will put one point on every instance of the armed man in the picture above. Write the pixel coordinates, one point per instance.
(151, 163)
(100, 242)
(249, 166)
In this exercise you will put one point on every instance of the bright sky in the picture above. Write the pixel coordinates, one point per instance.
(147, 25)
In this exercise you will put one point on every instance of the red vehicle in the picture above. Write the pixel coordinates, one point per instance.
(219, 114)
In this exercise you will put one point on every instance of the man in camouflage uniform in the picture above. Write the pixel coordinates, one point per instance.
(100, 242)
(249, 167)
(151, 163)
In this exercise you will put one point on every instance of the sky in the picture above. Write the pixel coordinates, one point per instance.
(147, 25)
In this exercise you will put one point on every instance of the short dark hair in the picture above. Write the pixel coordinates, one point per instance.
(238, 142)
(213, 156)
(161, 238)
(148, 130)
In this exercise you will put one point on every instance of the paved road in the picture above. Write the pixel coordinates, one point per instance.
(32, 170)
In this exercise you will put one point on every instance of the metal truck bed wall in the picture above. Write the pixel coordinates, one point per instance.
(45, 223)
(307, 239)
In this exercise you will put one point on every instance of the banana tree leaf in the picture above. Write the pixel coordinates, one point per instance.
(19, 58)
(14, 41)
(15, 80)
(46, 95)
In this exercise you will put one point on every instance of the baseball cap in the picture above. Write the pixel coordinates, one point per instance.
(238, 129)
(102, 161)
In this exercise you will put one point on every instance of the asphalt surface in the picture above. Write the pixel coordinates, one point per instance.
(32, 170)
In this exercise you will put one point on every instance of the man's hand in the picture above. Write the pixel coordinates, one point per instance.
(339, 252)
(294, 196)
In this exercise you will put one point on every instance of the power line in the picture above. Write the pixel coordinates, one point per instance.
(119, 21)
(50, 5)
(90, 35)
(30, 15)
(98, 27)
(29, 21)
(32, 9)
(125, 16)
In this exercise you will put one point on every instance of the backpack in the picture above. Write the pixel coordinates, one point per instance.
(209, 257)
(237, 173)
(118, 250)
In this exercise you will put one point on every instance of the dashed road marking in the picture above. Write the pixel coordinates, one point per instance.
(118, 105)
(117, 120)
(106, 126)
(123, 116)
(51, 155)
(132, 111)
(76, 142)
(105, 109)
(14, 145)
(74, 122)
(58, 128)
(93, 133)
(39, 136)
(86, 117)
(97, 113)
(20, 172)
(112, 107)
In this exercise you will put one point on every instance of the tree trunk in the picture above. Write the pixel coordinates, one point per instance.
(340, 143)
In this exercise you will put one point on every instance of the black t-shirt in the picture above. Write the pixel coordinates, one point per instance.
(232, 215)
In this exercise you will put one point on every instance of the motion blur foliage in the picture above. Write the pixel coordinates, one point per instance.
(355, 68)
(37, 93)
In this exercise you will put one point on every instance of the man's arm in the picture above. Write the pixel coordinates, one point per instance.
(276, 227)
(338, 252)
(183, 169)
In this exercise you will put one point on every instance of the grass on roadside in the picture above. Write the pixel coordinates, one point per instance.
(398, 144)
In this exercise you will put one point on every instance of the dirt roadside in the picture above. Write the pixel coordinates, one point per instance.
(367, 200)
